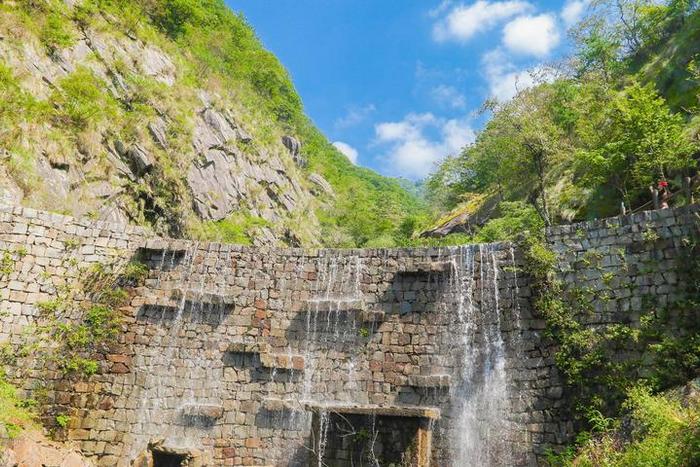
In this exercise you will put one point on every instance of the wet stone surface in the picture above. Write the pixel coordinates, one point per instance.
(233, 332)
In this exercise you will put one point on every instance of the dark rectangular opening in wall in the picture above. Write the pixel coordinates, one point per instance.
(164, 459)
(355, 439)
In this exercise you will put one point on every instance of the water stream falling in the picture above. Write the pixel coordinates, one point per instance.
(481, 398)
(480, 331)
(179, 374)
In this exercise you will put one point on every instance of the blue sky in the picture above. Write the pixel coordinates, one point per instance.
(397, 84)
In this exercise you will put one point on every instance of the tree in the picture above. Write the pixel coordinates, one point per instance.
(640, 142)
(518, 147)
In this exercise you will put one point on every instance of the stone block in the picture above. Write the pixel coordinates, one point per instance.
(429, 381)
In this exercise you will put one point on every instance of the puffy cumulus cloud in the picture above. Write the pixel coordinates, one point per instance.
(505, 80)
(462, 22)
(350, 152)
(573, 11)
(448, 96)
(419, 141)
(532, 35)
(354, 116)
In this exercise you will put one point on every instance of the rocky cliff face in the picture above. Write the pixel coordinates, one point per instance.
(33, 449)
(126, 133)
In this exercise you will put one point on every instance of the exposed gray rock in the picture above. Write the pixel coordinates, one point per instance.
(139, 159)
(158, 129)
(223, 175)
(466, 221)
(293, 145)
(111, 212)
(223, 179)
(242, 134)
(321, 183)
(263, 236)
(102, 189)
(121, 168)
(215, 188)
(10, 193)
(156, 64)
(221, 127)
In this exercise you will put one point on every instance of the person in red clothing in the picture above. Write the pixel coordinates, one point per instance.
(664, 194)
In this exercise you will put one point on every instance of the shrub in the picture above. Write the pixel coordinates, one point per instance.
(55, 33)
(7, 264)
(664, 433)
(135, 274)
(516, 218)
(49, 306)
(62, 420)
(83, 100)
(237, 229)
(15, 414)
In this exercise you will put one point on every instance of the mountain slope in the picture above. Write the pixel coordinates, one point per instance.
(618, 120)
(170, 114)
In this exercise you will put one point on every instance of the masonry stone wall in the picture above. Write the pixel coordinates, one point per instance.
(227, 352)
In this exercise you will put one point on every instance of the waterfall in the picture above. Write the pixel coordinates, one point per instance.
(170, 394)
(480, 400)
(329, 322)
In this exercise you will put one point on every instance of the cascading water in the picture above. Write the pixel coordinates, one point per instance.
(480, 399)
(169, 391)
(333, 340)
(331, 326)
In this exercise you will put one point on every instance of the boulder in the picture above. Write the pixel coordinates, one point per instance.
(139, 159)
(465, 218)
(33, 449)
(321, 183)
(157, 128)
(293, 145)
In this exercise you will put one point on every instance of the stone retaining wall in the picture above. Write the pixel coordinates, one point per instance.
(224, 348)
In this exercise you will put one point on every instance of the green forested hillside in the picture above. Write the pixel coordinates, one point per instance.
(619, 117)
(90, 85)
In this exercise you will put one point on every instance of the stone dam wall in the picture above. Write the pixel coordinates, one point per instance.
(233, 355)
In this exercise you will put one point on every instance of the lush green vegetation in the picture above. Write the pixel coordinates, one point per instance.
(238, 228)
(619, 118)
(662, 430)
(214, 49)
(15, 413)
(603, 384)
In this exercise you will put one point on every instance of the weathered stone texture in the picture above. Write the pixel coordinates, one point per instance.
(228, 345)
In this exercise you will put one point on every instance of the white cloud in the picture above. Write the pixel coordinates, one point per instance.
(448, 96)
(506, 80)
(349, 151)
(531, 35)
(440, 9)
(419, 141)
(355, 116)
(573, 11)
(463, 22)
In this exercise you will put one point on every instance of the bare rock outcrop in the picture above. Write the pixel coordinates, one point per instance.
(293, 145)
(321, 183)
(32, 449)
(216, 166)
(224, 179)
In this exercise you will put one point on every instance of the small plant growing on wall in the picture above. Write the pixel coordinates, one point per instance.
(7, 264)
(62, 420)
(650, 236)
